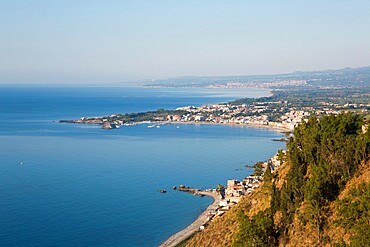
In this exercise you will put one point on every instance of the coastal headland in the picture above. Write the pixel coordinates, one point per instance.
(281, 110)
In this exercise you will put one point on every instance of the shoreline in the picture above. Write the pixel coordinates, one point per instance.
(202, 219)
(256, 126)
(252, 125)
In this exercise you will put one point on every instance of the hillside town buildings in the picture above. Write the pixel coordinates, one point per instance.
(240, 115)
(235, 190)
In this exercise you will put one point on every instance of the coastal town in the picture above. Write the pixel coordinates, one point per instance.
(238, 115)
(277, 114)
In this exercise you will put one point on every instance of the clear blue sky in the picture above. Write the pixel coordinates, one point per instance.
(97, 41)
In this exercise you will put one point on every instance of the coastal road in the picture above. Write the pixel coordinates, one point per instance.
(193, 227)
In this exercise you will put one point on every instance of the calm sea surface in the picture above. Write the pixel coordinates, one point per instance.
(80, 185)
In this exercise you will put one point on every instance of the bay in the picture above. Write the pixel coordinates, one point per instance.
(80, 185)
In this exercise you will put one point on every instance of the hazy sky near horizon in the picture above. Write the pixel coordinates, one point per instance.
(94, 41)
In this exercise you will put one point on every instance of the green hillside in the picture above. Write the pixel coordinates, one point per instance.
(319, 197)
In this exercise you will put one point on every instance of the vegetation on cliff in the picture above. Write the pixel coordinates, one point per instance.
(319, 197)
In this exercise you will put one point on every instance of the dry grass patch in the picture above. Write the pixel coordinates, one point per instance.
(219, 233)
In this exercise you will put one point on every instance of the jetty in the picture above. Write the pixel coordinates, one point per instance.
(202, 220)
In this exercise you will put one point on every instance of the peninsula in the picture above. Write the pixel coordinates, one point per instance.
(290, 102)
(282, 111)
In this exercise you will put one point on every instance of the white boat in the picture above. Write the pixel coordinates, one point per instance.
(177, 127)
(158, 126)
(150, 126)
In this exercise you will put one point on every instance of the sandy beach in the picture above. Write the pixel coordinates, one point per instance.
(182, 235)
(280, 129)
(193, 227)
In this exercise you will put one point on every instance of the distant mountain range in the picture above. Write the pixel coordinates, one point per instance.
(342, 78)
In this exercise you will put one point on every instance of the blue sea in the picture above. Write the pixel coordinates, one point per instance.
(79, 185)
